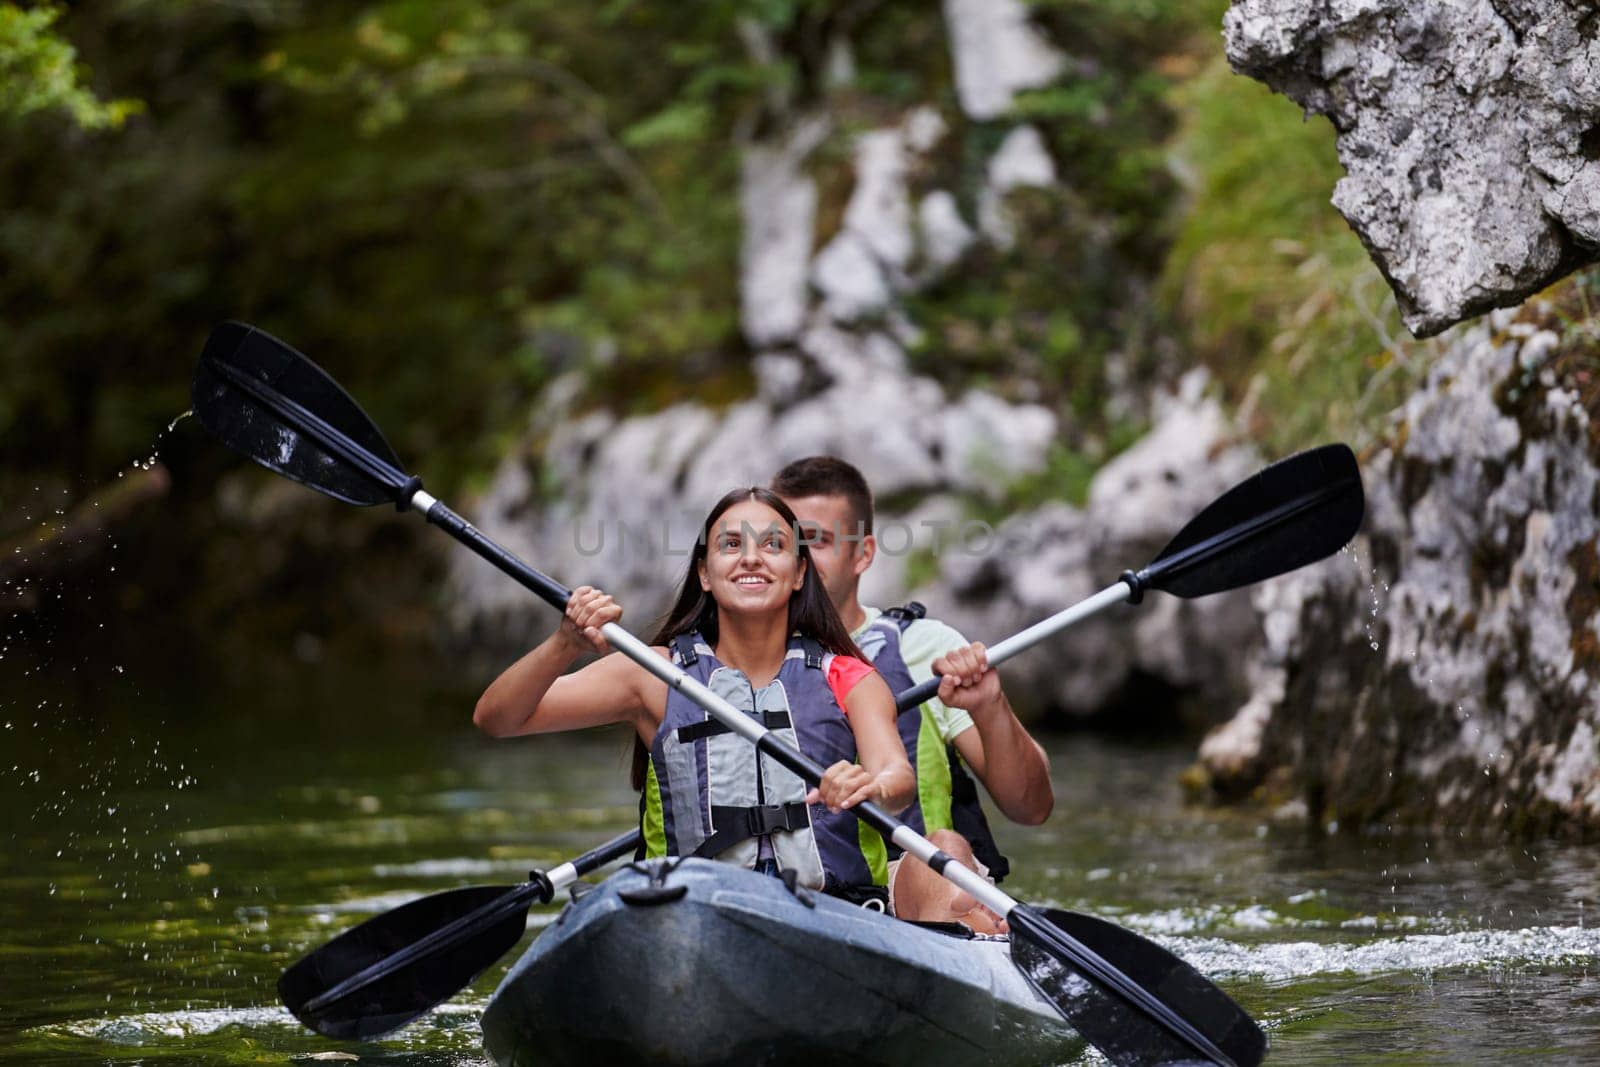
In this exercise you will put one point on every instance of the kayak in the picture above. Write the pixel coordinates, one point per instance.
(697, 962)
(607, 977)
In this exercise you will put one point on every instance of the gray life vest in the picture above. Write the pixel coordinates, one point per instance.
(709, 792)
(947, 797)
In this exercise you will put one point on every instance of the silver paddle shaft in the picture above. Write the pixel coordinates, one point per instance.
(997, 654)
(1026, 639)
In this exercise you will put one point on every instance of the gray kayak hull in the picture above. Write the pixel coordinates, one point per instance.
(707, 964)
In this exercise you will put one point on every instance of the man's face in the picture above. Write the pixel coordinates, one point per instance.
(839, 551)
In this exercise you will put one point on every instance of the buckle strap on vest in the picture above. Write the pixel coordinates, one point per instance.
(683, 646)
(732, 825)
(906, 614)
(695, 731)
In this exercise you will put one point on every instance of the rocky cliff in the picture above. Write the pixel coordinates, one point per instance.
(1447, 669)
(1469, 132)
(826, 296)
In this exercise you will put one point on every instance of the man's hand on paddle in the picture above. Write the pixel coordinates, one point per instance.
(966, 680)
(588, 609)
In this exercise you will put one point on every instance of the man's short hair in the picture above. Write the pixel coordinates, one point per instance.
(826, 476)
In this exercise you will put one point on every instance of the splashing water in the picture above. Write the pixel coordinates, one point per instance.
(91, 788)
(149, 462)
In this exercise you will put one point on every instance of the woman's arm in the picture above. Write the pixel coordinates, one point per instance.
(884, 773)
(532, 696)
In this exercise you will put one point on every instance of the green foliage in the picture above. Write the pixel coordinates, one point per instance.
(1107, 121)
(685, 121)
(1066, 477)
(1571, 310)
(1063, 299)
(1048, 310)
(483, 193)
(39, 72)
(1273, 290)
(488, 192)
(922, 567)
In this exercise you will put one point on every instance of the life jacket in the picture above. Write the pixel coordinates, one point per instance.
(708, 792)
(947, 797)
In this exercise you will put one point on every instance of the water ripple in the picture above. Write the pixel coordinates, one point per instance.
(1284, 961)
(149, 1027)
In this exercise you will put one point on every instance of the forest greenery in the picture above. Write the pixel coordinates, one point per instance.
(1272, 289)
(406, 191)
(450, 202)
(1068, 296)
(39, 71)
(502, 190)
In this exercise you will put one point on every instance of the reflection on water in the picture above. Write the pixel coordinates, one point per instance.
(163, 862)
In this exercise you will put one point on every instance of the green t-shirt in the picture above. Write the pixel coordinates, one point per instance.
(922, 642)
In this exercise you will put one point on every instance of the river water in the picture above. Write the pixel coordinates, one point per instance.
(167, 853)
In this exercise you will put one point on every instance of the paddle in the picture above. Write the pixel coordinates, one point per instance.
(1297, 511)
(380, 975)
(269, 402)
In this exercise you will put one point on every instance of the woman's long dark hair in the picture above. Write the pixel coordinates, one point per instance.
(811, 613)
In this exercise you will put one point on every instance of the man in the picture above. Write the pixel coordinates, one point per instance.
(969, 723)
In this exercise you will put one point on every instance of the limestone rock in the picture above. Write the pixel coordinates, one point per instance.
(1465, 131)
(865, 262)
(945, 234)
(1170, 473)
(993, 583)
(879, 211)
(618, 501)
(1020, 162)
(996, 54)
(1448, 668)
(850, 278)
(924, 128)
(985, 441)
(778, 203)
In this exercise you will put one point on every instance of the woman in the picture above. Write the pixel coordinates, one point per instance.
(753, 623)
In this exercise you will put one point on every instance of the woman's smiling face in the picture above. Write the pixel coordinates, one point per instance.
(752, 564)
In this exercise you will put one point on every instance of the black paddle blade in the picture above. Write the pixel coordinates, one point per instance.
(1127, 1034)
(262, 398)
(1297, 511)
(459, 933)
